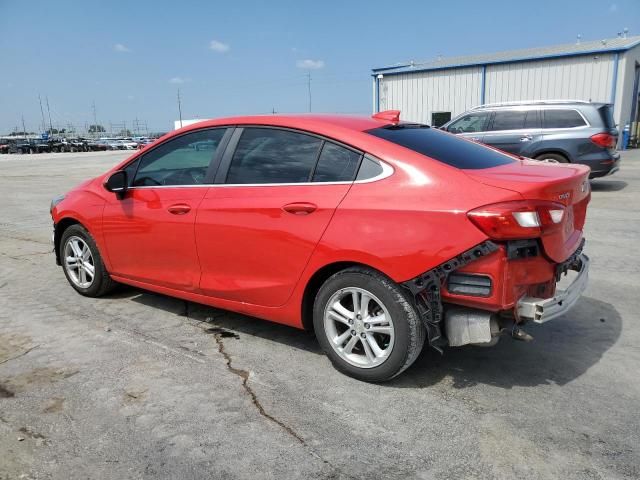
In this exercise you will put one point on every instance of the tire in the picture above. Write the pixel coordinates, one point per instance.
(398, 347)
(552, 157)
(101, 282)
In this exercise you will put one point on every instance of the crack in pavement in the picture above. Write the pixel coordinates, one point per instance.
(244, 375)
(19, 355)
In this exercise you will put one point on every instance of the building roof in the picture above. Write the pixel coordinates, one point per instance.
(568, 50)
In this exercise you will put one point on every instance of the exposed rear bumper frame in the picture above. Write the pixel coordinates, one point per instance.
(426, 288)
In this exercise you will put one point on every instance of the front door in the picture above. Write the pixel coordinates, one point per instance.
(149, 234)
(256, 231)
(471, 125)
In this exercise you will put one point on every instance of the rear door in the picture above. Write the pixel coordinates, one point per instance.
(514, 131)
(275, 194)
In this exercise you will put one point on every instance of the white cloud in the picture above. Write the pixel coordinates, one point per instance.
(310, 64)
(119, 47)
(179, 80)
(219, 47)
(613, 7)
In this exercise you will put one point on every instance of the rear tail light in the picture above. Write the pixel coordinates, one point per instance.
(518, 219)
(604, 140)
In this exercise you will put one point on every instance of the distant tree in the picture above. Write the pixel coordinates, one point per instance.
(53, 131)
(96, 129)
(125, 133)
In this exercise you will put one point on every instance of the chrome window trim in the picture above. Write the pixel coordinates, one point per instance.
(387, 171)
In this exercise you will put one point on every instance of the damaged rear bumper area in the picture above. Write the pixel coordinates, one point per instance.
(460, 325)
(541, 310)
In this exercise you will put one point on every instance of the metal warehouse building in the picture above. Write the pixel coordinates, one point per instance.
(433, 92)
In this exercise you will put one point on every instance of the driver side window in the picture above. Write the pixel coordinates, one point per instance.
(474, 122)
(181, 161)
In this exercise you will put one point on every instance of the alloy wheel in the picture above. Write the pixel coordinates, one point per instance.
(78, 262)
(359, 327)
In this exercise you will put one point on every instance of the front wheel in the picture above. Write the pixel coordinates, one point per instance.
(82, 263)
(367, 325)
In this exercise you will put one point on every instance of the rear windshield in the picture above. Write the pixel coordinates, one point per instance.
(441, 146)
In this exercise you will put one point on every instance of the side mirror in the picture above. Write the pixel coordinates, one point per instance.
(117, 183)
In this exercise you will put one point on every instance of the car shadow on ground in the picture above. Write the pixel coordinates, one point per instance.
(562, 350)
(608, 185)
(233, 322)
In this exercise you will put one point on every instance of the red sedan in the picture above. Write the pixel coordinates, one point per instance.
(378, 234)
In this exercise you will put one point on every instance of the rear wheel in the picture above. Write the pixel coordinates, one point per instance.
(367, 325)
(552, 157)
(82, 263)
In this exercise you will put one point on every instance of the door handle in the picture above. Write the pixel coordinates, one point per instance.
(526, 138)
(300, 208)
(179, 209)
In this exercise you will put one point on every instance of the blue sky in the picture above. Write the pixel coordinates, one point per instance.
(243, 57)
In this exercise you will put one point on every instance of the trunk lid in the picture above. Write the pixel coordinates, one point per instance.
(567, 184)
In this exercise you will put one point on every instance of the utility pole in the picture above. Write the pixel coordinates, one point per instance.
(180, 108)
(49, 111)
(95, 121)
(309, 89)
(44, 125)
(24, 130)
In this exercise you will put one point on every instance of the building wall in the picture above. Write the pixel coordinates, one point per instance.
(585, 77)
(419, 94)
(625, 87)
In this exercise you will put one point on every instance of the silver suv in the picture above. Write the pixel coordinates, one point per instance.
(561, 131)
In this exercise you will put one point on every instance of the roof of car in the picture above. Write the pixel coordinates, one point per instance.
(311, 122)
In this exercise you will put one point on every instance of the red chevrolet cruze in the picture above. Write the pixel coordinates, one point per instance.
(378, 234)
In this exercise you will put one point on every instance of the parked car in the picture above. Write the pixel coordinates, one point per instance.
(128, 143)
(73, 145)
(96, 146)
(145, 142)
(565, 131)
(377, 234)
(111, 143)
(21, 146)
(4, 145)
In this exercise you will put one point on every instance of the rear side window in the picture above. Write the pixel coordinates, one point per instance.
(442, 146)
(266, 155)
(369, 168)
(509, 120)
(562, 119)
(336, 164)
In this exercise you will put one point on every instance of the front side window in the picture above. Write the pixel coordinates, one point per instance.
(181, 161)
(471, 123)
(509, 120)
(268, 155)
(562, 119)
(336, 164)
